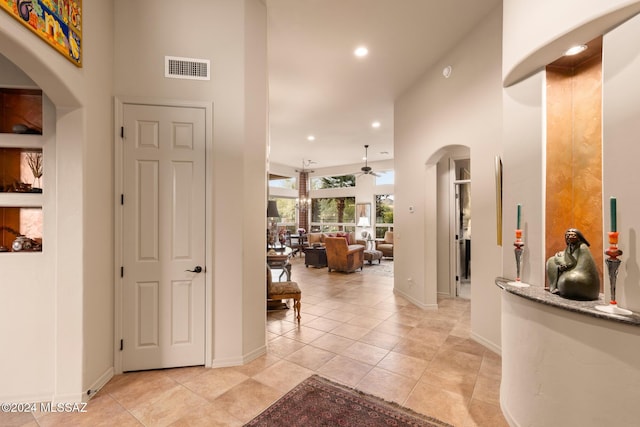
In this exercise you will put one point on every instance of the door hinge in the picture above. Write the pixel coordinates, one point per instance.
(121, 345)
(121, 271)
(122, 199)
(122, 132)
(457, 278)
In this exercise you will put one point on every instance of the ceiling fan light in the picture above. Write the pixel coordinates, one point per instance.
(366, 169)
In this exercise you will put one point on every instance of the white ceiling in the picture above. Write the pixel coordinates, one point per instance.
(317, 86)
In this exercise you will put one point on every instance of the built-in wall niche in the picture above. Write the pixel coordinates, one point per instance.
(20, 229)
(574, 150)
(21, 170)
(21, 111)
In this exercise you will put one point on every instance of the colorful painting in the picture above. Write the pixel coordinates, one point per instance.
(57, 22)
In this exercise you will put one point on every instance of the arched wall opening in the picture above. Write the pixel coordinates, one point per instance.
(46, 289)
(441, 180)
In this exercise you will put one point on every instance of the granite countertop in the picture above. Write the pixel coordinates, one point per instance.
(543, 296)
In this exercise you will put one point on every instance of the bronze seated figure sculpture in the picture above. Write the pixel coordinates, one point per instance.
(573, 273)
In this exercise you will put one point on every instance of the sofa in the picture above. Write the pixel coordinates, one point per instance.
(318, 239)
(386, 244)
(342, 256)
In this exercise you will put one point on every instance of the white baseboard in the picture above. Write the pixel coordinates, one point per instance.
(490, 345)
(240, 360)
(508, 417)
(68, 398)
(415, 301)
(260, 351)
(98, 384)
(226, 362)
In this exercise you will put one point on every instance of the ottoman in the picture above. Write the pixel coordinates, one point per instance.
(372, 255)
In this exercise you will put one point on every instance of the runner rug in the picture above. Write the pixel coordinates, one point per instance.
(319, 402)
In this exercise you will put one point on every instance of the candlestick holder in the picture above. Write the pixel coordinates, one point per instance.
(613, 264)
(519, 244)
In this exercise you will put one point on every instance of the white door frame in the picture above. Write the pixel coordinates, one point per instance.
(119, 103)
(453, 229)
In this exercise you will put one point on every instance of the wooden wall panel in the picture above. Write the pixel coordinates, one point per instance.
(20, 106)
(574, 156)
(10, 218)
(559, 185)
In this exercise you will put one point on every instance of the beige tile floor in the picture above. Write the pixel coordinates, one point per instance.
(354, 330)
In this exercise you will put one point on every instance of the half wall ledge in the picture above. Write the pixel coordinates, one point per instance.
(564, 363)
(539, 294)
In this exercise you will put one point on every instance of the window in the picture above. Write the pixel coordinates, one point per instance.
(384, 214)
(385, 177)
(287, 211)
(342, 181)
(289, 183)
(333, 214)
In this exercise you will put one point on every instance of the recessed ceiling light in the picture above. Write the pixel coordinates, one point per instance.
(375, 124)
(361, 52)
(311, 138)
(575, 50)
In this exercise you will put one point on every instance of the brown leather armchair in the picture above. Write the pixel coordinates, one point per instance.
(386, 245)
(343, 257)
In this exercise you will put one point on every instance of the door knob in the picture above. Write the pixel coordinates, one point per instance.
(197, 269)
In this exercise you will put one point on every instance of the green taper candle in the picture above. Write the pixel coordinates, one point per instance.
(614, 214)
(519, 213)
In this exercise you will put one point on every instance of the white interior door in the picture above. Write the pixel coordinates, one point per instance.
(163, 237)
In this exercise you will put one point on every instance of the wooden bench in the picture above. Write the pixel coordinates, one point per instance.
(284, 290)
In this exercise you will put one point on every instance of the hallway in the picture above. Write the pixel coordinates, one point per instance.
(354, 330)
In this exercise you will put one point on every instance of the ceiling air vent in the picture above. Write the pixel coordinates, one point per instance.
(187, 68)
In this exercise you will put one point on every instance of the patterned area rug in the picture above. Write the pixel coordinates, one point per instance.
(385, 268)
(319, 402)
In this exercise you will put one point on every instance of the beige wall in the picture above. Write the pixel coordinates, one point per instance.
(57, 314)
(434, 117)
(232, 35)
(58, 309)
(523, 169)
(524, 125)
(589, 343)
(621, 112)
(97, 177)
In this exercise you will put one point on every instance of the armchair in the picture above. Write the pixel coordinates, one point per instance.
(343, 257)
(386, 245)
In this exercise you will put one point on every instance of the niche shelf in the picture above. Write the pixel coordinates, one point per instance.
(21, 167)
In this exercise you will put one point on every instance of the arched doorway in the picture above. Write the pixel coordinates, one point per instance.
(48, 294)
(461, 228)
(453, 222)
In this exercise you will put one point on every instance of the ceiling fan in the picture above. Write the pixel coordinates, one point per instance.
(366, 169)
